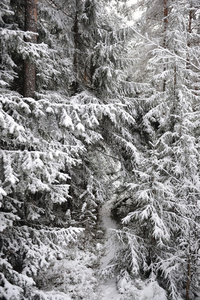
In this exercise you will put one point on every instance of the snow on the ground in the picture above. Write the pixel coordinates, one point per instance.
(105, 212)
(108, 225)
(72, 277)
(75, 276)
(127, 289)
(52, 295)
(108, 289)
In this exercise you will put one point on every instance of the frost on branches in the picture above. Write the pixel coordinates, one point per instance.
(46, 183)
(159, 203)
(106, 94)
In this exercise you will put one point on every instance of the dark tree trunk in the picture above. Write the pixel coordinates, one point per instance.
(190, 26)
(29, 66)
(188, 279)
(78, 48)
(76, 45)
(165, 34)
(165, 21)
(2, 176)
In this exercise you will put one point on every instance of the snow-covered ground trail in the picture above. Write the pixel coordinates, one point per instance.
(77, 275)
(108, 225)
(107, 288)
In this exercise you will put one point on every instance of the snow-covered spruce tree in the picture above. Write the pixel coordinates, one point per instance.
(34, 180)
(163, 195)
(100, 50)
(101, 66)
(49, 180)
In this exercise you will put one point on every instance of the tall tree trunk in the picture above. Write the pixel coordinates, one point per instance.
(165, 19)
(165, 34)
(29, 66)
(188, 279)
(2, 175)
(190, 26)
(189, 39)
(76, 45)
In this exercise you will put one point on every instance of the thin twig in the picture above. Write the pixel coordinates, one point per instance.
(166, 50)
(55, 6)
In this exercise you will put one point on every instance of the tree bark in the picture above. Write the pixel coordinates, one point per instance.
(165, 21)
(190, 26)
(188, 279)
(29, 66)
(76, 44)
(2, 175)
(165, 34)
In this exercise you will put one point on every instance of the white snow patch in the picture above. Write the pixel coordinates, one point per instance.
(153, 291)
(2, 193)
(108, 289)
(80, 127)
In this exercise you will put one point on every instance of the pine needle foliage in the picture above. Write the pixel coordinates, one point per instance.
(50, 184)
(159, 203)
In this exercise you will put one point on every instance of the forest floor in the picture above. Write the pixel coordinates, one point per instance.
(108, 289)
(83, 274)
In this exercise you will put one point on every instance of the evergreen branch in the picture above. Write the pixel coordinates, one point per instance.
(171, 176)
(166, 50)
(54, 5)
(108, 155)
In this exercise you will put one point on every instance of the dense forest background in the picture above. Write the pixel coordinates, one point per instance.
(99, 100)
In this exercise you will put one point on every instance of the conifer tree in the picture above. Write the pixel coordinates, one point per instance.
(50, 185)
(162, 192)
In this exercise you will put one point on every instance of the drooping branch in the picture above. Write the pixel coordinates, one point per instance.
(172, 54)
(53, 4)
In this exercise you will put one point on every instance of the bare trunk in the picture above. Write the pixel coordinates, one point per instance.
(175, 80)
(188, 279)
(189, 41)
(75, 60)
(165, 20)
(2, 175)
(190, 26)
(189, 34)
(165, 34)
(29, 66)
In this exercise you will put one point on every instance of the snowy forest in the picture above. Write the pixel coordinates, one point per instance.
(99, 149)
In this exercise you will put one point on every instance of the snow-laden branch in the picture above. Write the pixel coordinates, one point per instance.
(165, 50)
(54, 5)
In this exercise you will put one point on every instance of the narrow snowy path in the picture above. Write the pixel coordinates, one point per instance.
(108, 289)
